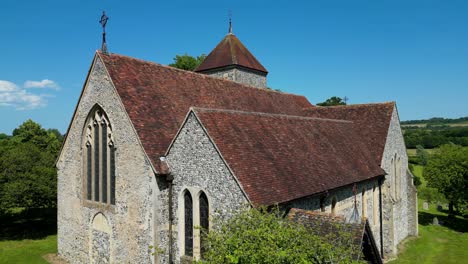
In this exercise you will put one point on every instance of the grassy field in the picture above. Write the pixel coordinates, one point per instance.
(26, 236)
(412, 152)
(27, 251)
(446, 243)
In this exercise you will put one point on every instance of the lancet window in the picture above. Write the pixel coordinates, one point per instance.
(99, 158)
(188, 217)
(204, 221)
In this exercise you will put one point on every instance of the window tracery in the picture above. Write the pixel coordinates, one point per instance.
(99, 158)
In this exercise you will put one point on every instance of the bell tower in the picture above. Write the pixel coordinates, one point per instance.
(233, 61)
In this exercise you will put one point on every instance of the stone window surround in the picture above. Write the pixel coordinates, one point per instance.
(195, 192)
(87, 138)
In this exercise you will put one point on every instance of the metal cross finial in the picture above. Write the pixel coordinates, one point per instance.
(103, 23)
(230, 22)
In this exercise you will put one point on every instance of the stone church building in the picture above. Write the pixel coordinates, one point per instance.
(153, 152)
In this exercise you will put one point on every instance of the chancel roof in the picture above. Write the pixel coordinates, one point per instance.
(230, 51)
(279, 158)
(373, 121)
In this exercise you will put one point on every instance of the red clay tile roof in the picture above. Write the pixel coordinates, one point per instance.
(279, 158)
(373, 121)
(157, 98)
(230, 51)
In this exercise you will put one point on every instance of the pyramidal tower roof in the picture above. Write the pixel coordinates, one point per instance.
(230, 52)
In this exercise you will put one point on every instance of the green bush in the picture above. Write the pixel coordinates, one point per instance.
(258, 236)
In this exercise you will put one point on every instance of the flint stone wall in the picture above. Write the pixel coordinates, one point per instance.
(197, 166)
(399, 212)
(241, 76)
(130, 219)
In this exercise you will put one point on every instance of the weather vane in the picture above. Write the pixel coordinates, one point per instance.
(230, 21)
(103, 23)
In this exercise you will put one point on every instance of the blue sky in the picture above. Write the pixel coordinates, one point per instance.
(412, 52)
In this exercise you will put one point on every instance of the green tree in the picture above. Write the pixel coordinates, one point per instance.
(334, 100)
(187, 62)
(447, 171)
(258, 236)
(27, 172)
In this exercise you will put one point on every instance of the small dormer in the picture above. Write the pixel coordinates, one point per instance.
(233, 61)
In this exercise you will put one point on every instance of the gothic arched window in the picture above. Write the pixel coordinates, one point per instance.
(204, 221)
(99, 158)
(188, 228)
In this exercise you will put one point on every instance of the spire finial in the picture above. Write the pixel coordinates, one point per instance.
(230, 22)
(103, 23)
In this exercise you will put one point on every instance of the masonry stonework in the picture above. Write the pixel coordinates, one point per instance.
(398, 219)
(130, 218)
(241, 76)
(197, 166)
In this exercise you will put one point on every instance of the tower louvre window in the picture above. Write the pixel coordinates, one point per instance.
(99, 158)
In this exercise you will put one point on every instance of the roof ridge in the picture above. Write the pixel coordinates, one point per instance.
(196, 73)
(358, 105)
(232, 111)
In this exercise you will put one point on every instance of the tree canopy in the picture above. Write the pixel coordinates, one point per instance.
(187, 62)
(258, 236)
(334, 100)
(447, 171)
(28, 178)
(435, 136)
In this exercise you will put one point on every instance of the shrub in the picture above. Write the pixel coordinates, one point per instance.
(258, 236)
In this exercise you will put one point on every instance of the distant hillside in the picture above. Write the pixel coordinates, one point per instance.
(437, 121)
(433, 132)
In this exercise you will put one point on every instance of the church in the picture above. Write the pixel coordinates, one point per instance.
(152, 153)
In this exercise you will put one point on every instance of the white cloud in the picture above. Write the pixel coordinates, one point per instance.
(6, 86)
(46, 83)
(13, 96)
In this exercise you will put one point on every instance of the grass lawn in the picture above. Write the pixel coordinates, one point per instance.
(26, 236)
(27, 251)
(446, 243)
